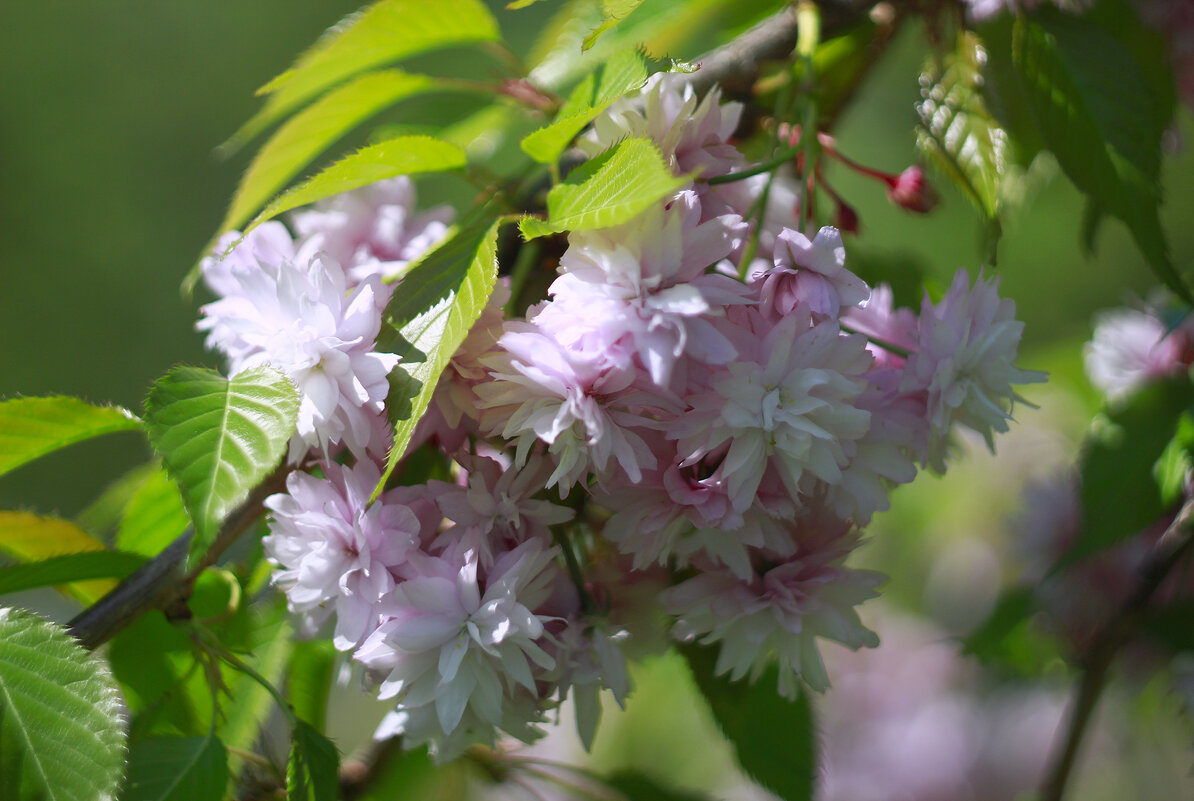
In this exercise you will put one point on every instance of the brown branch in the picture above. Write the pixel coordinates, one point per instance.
(1170, 549)
(735, 65)
(161, 582)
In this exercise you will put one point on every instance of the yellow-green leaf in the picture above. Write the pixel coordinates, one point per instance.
(27, 537)
(33, 427)
(383, 33)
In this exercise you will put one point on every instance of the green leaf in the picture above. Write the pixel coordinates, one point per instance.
(612, 12)
(272, 645)
(102, 516)
(774, 738)
(1098, 115)
(1119, 493)
(33, 427)
(384, 33)
(627, 181)
(177, 769)
(624, 72)
(429, 317)
(1169, 625)
(403, 155)
(309, 681)
(308, 133)
(313, 770)
(219, 437)
(61, 732)
(68, 568)
(154, 516)
(1013, 608)
(638, 786)
(162, 685)
(956, 131)
(31, 538)
(1175, 462)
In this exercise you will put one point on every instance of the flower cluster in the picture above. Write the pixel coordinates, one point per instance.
(656, 437)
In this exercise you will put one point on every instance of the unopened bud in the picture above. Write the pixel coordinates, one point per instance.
(911, 190)
(846, 218)
(528, 94)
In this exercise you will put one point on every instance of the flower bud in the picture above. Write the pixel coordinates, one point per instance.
(910, 190)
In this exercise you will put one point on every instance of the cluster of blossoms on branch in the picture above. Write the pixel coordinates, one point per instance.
(673, 433)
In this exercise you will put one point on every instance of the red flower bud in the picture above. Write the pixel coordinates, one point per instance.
(846, 219)
(910, 190)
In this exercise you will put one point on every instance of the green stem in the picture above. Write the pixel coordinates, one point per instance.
(778, 160)
(882, 343)
(562, 539)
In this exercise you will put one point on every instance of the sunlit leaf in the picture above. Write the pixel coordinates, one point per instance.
(219, 437)
(429, 317)
(154, 517)
(33, 427)
(384, 33)
(61, 732)
(309, 680)
(403, 155)
(956, 132)
(624, 72)
(630, 179)
(31, 538)
(305, 135)
(177, 769)
(612, 12)
(68, 568)
(774, 737)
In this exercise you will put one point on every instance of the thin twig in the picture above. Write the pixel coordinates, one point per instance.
(161, 583)
(1170, 549)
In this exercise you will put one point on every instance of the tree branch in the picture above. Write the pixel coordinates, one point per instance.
(161, 583)
(735, 65)
(1173, 545)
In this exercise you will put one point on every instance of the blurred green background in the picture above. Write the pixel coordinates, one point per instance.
(111, 112)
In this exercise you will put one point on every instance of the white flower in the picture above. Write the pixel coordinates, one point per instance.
(541, 392)
(963, 360)
(789, 407)
(1130, 347)
(335, 551)
(811, 273)
(458, 641)
(296, 315)
(373, 230)
(640, 290)
(781, 611)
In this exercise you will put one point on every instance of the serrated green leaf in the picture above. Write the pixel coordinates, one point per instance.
(384, 33)
(219, 437)
(1119, 493)
(161, 682)
(61, 732)
(624, 72)
(956, 131)
(774, 738)
(309, 681)
(612, 12)
(177, 769)
(313, 770)
(68, 568)
(630, 179)
(31, 538)
(1097, 114)
(429, 317)
(305, 135)
(403, 155)
(154, 517)
(33, 427)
